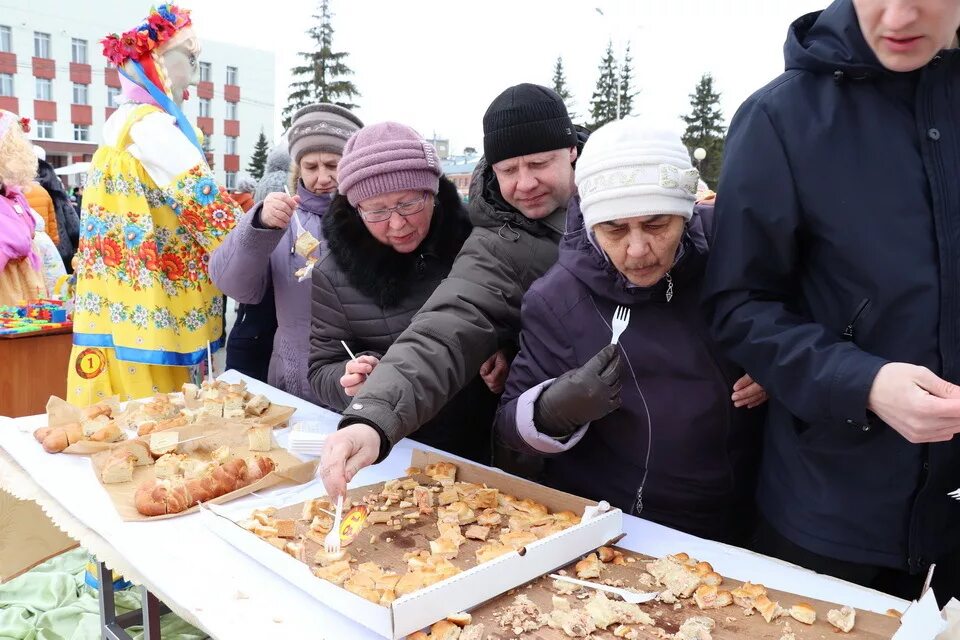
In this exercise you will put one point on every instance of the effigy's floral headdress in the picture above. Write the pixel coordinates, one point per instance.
(137, 55)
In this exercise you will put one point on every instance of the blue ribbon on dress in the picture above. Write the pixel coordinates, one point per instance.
(147, 356)
(166, 103)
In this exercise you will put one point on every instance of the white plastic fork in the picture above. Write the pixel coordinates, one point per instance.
(632, 597)
(296, 218)
(621, 318)
(955, 494)
(331, 543)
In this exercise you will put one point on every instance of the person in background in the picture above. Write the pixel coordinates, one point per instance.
(250, 344)
(833, 281)
(68, 222)
(243, 193)
(40, 201)
(393, 234)
(77, 194)
(146, 310)
(276, 173)
(659, 425)
(53, 267)
(261, 250)
(21, 268)
(518, 206)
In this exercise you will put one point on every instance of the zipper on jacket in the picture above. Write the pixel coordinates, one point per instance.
(421, 264)
(669, 294)
(932, 157)
(849, 331)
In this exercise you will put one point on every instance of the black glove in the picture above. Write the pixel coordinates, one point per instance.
(580, 396)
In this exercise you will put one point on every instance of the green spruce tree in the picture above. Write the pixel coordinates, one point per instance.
(603, 105)
(627, 94)
(258, 162)
(560, 86)
(705, 129)
(322, 76)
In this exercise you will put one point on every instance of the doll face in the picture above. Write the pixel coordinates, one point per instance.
(182, 62)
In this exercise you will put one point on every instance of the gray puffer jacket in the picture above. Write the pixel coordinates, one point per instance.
(365, 294)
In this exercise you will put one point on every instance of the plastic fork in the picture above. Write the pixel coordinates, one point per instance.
(955, 494)
(296, 218)
(628, 596)
(331, 543)
(621, 318)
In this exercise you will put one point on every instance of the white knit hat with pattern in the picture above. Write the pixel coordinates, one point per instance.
(630, 169)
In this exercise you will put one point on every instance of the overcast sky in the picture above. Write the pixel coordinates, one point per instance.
(437, 64)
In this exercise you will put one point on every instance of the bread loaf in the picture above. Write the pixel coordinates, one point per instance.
(257, 467)
(95, 410)
(57, 439)
(140, 451)
(258, 404)
(260, 439)
(147, 428)
(163, 497)
(109, 433)
(118, 467)
(93, 425)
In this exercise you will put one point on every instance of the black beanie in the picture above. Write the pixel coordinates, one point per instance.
(525, 119)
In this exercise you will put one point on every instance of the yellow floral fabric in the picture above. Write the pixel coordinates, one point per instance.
(142, 283)
(96, 374)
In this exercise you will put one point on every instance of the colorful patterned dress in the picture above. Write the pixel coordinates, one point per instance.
(145, 306)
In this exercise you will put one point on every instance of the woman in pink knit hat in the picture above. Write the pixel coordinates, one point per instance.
(392, 234)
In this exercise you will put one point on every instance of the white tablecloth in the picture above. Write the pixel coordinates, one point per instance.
(219, 589)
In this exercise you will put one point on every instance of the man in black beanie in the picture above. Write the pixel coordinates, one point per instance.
(518, 200)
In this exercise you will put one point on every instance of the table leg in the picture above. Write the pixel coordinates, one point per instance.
(113, 627)
(108, 608)
(151, 615)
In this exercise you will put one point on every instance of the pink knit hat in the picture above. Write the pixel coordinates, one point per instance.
(385, 158)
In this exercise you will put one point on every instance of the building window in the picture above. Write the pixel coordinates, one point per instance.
(41, 45)
(6, 41)
(231, 180)
(112, 94)
(44, 89)
(80, 94)
(231, 146)
(232, 111)
(79, 51)
(205, 72)
(232, 75)
(81, 132)
(44, 129)
(6, 84)
(208, 143)
(205, 107)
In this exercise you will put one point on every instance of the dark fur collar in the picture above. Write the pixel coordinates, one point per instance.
(378, 271)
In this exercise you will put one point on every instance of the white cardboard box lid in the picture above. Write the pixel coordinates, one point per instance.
(461, 592)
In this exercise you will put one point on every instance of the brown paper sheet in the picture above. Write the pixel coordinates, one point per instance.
(61, 412)
(731, 623)
(289, 469)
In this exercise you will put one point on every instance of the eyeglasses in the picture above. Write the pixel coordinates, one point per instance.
(404, 209)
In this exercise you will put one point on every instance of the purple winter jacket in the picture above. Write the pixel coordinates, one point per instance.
(702, 451)
(242, 266)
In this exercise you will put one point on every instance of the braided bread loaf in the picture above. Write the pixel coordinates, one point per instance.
(163, 497)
